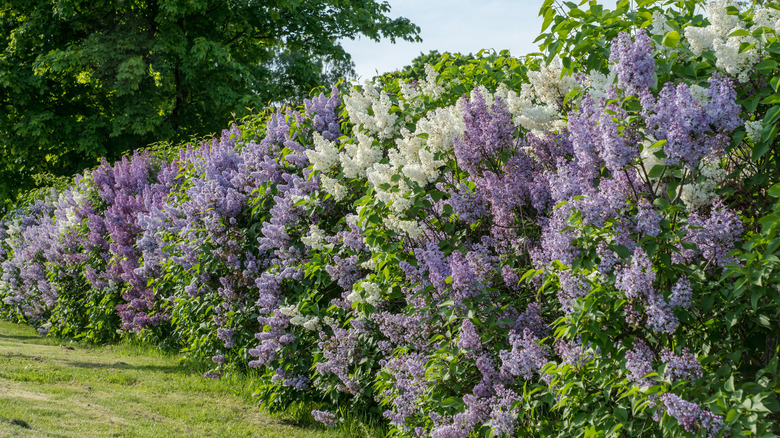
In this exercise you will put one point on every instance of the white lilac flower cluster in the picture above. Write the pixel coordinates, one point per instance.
(703, 191)
(753, 129)
(308, 322)
(315, 239)
(538, 106)
(416, 156)
(69, 202)
(598, 83)
(356, 159)
(659, 26)
(379, 121)
(368, 292)
(726, 34)
(325, 154)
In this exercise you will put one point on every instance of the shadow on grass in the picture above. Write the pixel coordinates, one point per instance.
(15, 422)
(24, 338)
(172, 369)
(23, 356)
(119, 365)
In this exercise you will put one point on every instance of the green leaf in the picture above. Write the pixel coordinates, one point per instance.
(751, 104)
(775, 98)
(656, 171)
(774, 191)
(739, 32)
(671, 39)
(768, 135)
(738, 137)
(775, 83)
(549, 14)
(768, 64)
(760, 149)
(671, 190)
(729, 385)
(772, 115)
(448, 303)
(744, 47)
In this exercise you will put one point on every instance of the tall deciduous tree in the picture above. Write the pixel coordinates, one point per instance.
(81, 79)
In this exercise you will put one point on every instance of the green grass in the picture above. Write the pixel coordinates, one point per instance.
(54, 388)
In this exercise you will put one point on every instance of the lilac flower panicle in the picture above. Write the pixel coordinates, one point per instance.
(226, 335)
(573, 287)
(691, 416)
(648, 220)
(503, 419)
(639, 363)
(633, 62)
(607, 258)
(214, 375)
(573, 353)
(532, 320)
(488, 132)
(618, 143)
(509, 276)
(636, 280)
(723, 109)
(324, 417)
(715, 236)
(685, 366)
(409, 373)
(682, 292)
(325, 118)
(692, 131)
(469, 338)
(660, 315)
(585, 138)
(526, 357)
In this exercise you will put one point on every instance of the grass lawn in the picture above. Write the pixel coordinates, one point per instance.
(51, 388)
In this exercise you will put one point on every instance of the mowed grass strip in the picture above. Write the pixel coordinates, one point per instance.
(49, 388)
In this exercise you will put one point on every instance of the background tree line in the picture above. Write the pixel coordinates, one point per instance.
(84, 79)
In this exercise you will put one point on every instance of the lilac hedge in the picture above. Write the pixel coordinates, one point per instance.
(565, 245)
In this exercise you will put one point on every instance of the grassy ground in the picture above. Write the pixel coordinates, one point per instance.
(51, 388)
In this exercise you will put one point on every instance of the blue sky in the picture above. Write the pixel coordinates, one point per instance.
(464, 26)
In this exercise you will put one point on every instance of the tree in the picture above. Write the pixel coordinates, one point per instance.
(82, 79)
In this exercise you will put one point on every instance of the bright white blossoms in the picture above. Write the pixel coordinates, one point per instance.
(538, 106)
(598, 83)
(415, 158)
(309, 322)
(753, 129)
(357, 158)
(332, 186)
(315, 239)
(379, 121)
(371, 294)
(704, 191)
(325, 154)
(720, 37)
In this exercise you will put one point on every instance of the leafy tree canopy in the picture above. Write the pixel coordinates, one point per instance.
(82, 79)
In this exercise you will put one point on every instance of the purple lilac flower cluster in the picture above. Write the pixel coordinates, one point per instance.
(324, 417)
(691, 416)
(633, 62)
(692, 130)
(684, 366)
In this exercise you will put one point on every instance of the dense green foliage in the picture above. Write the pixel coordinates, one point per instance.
(83, 79)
